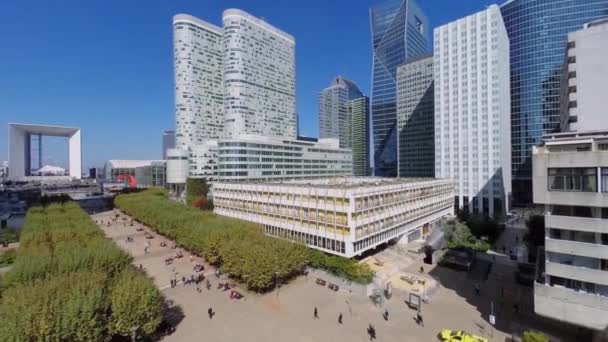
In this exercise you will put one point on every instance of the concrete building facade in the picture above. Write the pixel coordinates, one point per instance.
(344, 216)
(472, 111)
(259, 78)
(583, 80)
(415, 118)
(251, 157)
(358, 111)
(570, 172)
(334, 119)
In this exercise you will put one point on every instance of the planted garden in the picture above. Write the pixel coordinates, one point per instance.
(240, 248)
(69, 283)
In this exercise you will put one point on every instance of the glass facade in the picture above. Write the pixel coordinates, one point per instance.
(538, 32)
(398, 30)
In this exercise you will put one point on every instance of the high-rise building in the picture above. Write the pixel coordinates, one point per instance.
(199, 89)
(584, 78)
(334, 119)
(259, 78)
(168, 142)
(571, 184)
(538, 32)
(415, 118)
(472, 110)
(399, 32)
(358, 111)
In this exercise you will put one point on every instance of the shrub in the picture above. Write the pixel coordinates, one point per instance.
(459, 235)
(195, 189)
(7, 257)
(239, 247)
(534, 336)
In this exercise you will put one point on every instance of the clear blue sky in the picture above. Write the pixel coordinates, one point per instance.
(106, 66)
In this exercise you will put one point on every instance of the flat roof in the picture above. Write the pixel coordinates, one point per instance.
(349, 182)
(47, 130)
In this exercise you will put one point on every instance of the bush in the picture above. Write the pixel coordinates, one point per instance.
(7, 258)
(239, 247)
(534, 336)
(61, 284)
(195, 189)
(459, 236)
(342, 267)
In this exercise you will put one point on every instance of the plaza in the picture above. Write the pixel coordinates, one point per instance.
(286, 314)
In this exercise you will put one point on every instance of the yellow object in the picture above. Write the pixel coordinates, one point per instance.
(448, 335)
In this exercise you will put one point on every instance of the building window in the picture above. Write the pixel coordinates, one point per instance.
(604, 179)
(573, 179)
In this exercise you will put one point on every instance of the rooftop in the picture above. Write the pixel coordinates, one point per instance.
(349, 182)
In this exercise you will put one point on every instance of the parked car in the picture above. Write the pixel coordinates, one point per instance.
(448, 335)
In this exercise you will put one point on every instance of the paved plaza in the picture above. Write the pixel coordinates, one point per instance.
(286, 314)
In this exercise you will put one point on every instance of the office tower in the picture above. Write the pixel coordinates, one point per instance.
(472, 110)
(168, 142)
(399, 32)
(358, 111)
(584, 78)
(571, 186)
(259, 78)
(538, 32)
(334, 120)
(199, 93)
(415, 118)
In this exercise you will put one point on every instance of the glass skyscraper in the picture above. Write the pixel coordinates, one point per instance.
(399, 32)
(538, 32)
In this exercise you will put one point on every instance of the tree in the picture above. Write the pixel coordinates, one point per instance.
(195, 189)
(135, 303)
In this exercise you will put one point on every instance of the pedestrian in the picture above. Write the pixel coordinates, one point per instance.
(421, 269)
(371, 331)
(516, 239)
(208, 284)
(386, 314)
(316, 314)
(477, 289)
(184, 281)
(419, 319)
(340, 318)
(141, 267)
(210, 313)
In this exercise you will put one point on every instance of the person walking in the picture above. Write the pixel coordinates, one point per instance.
(385, 314)
(419, 319)
(316, 314)
(210, 312)
(371, 331)
(477, 289)
(340, 318)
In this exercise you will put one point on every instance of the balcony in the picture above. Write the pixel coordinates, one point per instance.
(583, 224)
(595, 276)
(577, 307)
(590, 250)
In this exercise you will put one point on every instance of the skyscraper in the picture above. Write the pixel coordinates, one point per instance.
(399, 32)
(334, 119)
(415, 118)
(358, 111)
(538, 32)
(259, 77)
(472, 110)
(199, 94)
(168, 142)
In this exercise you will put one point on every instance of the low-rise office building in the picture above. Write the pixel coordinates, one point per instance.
(345, 216)
(570, 179)
(125, 170)
(252, 157)
(153, 175)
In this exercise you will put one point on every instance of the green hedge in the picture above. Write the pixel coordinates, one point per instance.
(239, 247)
(68, 281)
(7, 257)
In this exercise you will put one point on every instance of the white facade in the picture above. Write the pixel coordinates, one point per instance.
(251, 157)
(570, 180)
(584, 81)
(472, 110)
(344, 215)
(19, 156)
(259, 78)
(168, 142)
(177, 165)
(199, 88)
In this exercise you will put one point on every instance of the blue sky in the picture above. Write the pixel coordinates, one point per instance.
(106, 66)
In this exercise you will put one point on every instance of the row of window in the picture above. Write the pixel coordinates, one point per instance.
(577, 179)
(309, 239)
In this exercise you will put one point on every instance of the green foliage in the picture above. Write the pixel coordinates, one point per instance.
(534, 336)
(9, 235)
(459, 235)
(342, 267)
(60, 286)
(195, 189)
(135, 302)
(7, 257)
(240, 248)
